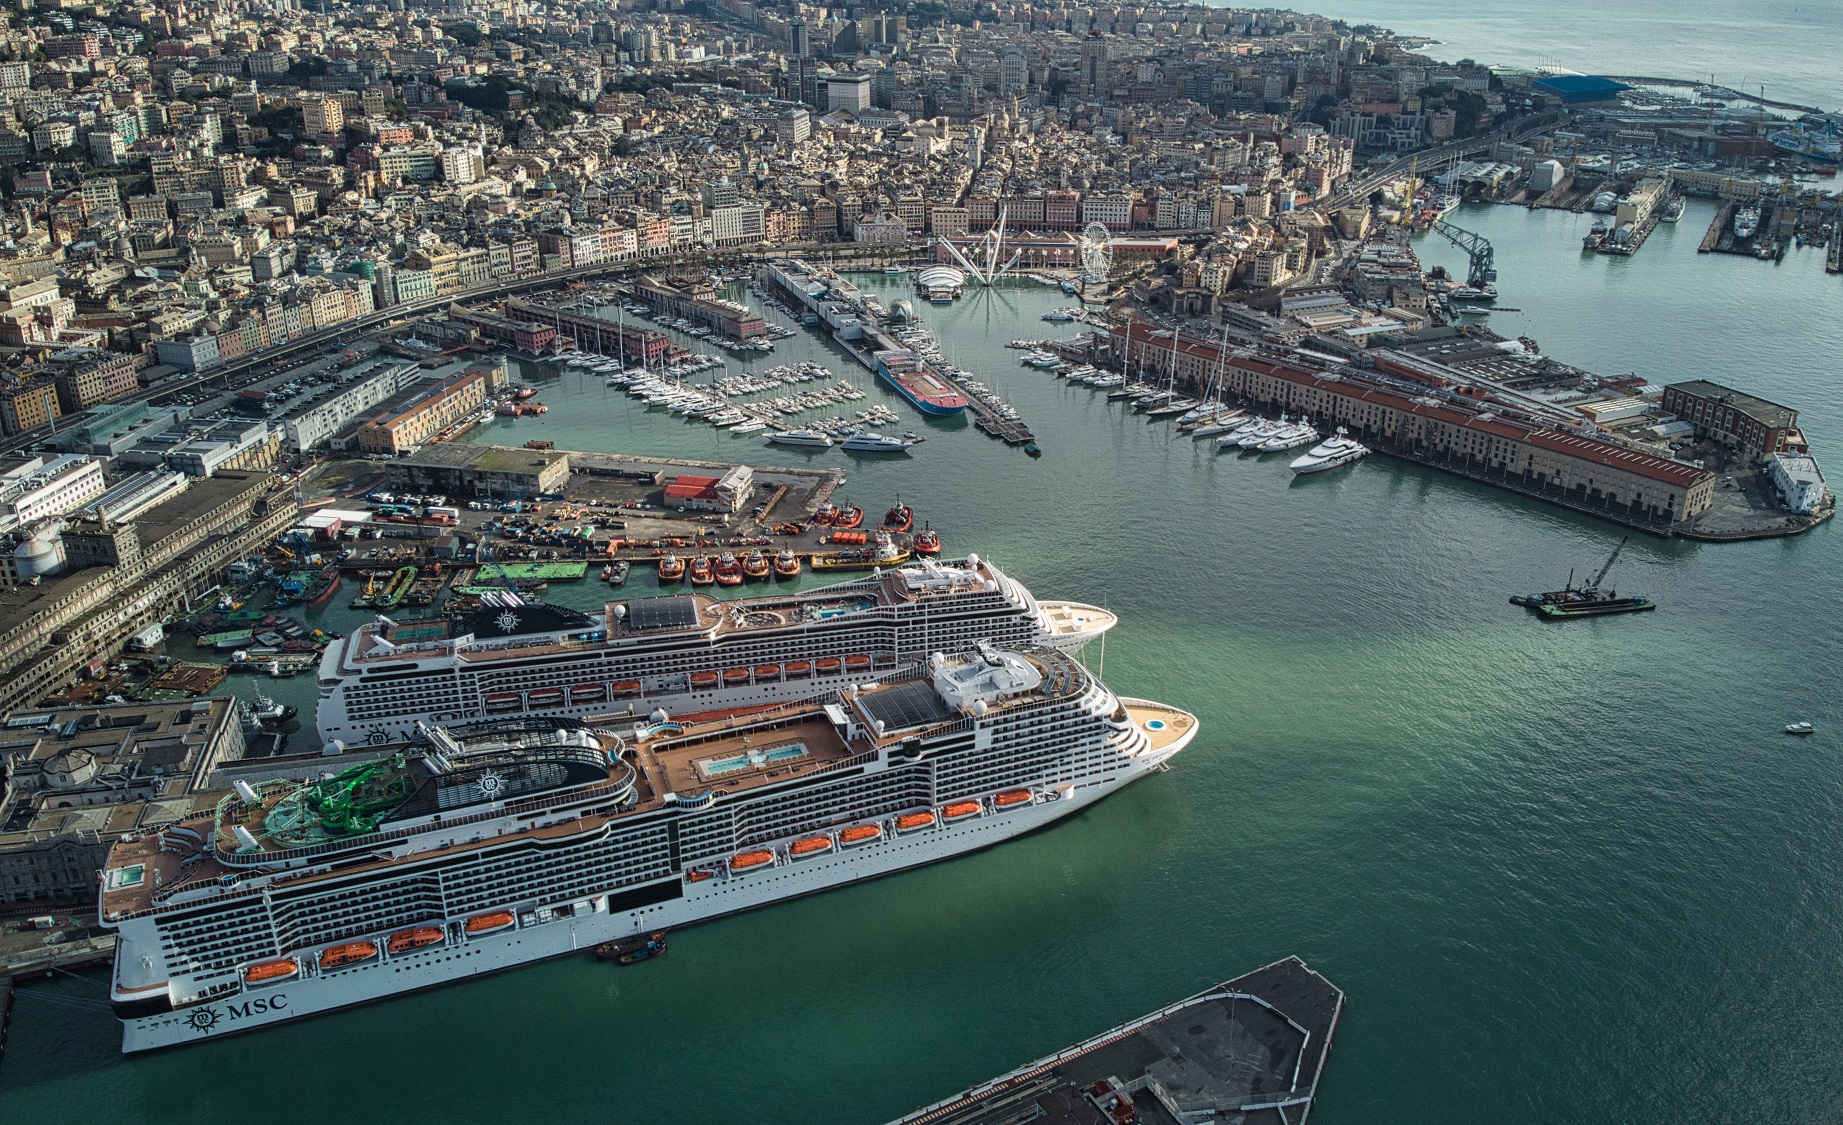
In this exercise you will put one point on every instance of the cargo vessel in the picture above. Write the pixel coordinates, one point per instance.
(471, 852)
(685, 653)
(915, 379)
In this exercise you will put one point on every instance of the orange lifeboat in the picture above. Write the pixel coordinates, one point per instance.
(811, 845)
(697, 876)
(959, 809)
(735, 675)
(413, 938)
(767, 671)
(829, 665)
(487, 923)
(856, 661)
(909, 822)
(1011, 798)
(749, 861)
(860, 834)
(703, 679)
(798, 668)
(886, 660)
(267, 972)
(626, 687)
(351, 953)
(588, 693)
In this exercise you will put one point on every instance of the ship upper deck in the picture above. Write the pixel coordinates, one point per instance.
(515, 631)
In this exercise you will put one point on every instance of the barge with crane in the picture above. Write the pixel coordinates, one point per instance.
(1589, 599)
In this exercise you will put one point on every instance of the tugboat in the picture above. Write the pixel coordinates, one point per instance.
(755, 566)
(927, 541)
(826, 514)
(632, 950)
(899, 518)
(702, 572)
(270, 715)
(729, 570)
(1586, 600)
(849, 516)
(525, 392)
(620, 573)
(787, 564)
(671, 569)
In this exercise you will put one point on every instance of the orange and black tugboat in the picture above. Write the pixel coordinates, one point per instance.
(826, 514)
(702, 572)
(899, 518)
(671, 569)
(755, 566)
(849, 516)
(787, 564)
(729, 571)
(927, 541)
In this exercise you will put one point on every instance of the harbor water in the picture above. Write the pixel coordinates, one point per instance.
(1560, 870)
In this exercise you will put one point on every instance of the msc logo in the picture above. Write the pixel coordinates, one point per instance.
(206, 1020)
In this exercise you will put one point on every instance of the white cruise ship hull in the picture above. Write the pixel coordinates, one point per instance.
(461, 958)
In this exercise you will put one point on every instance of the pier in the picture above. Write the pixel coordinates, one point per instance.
(1249, 1050)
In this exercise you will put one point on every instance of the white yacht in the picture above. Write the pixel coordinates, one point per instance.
(1334, 452)
(874, 443)
(1290, 437)
(801, 437)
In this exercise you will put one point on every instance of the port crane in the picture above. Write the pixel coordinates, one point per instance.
(1480, 270)
(1594, 582)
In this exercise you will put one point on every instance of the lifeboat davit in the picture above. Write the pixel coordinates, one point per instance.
(703, 679)
(811, 845)
(886, 660)
(829, 665)
(415, 937)
(959, 810)
(545, 697)
(909, 822)
(767, 671)
(749, 861)
(487, 923)
(504, 701)
(351, 953)
(857, 660)
(735, 675)
(1011, 798)
(860, 834)
(798, 668)
(268, 972)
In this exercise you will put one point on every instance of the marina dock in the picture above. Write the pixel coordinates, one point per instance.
(1249, 1050)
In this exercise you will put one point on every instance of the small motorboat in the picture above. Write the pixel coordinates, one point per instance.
(632, 950)
(1800, 728)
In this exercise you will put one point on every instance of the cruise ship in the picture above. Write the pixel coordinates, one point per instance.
(476, 851)
(685, 654)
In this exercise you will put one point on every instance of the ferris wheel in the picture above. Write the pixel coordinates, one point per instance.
(1096, 253)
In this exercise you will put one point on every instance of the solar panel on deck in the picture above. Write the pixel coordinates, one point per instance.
(662, 613)
(900, 706)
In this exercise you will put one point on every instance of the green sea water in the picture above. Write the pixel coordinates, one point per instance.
(1562, 871)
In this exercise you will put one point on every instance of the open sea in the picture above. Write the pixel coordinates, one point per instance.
(1789, 46)
(1563, 871)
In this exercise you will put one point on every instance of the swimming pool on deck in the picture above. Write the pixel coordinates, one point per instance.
(754, 759)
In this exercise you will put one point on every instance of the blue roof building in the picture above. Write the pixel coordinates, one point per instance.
(1578, 89)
